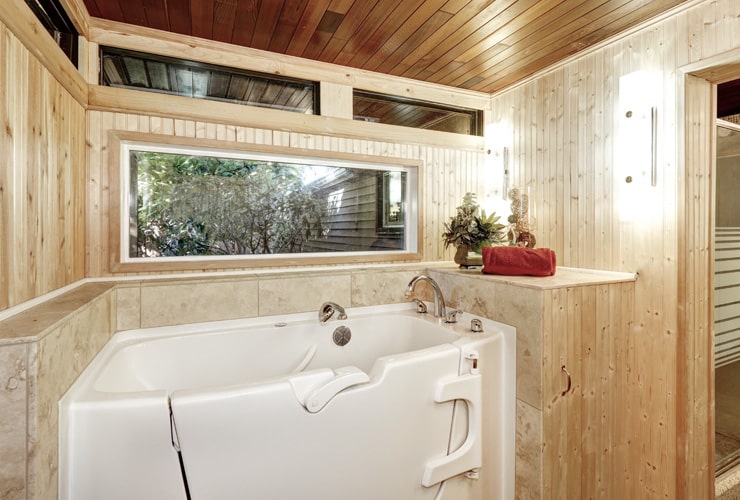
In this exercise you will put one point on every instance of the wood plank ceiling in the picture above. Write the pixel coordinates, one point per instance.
(482, 45)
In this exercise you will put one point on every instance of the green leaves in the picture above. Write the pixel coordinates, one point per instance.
(191, 205)
(472, 227)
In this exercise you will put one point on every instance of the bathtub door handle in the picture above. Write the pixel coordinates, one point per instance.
(469, 455)
(343, 378)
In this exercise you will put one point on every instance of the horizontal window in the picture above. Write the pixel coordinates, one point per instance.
(135, 70)
(392, 110)
(52, 16)
(185, 203)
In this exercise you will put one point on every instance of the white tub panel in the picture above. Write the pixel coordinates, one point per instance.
(370, 442)
(122, 450)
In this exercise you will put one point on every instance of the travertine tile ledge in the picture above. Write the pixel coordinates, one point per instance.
(564, 277)
(35, 323)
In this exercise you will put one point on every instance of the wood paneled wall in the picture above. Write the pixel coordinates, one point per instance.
(42, 177)
(562, 131)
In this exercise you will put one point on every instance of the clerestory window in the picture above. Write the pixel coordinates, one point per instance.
(415, 113)
(152, 73)
(55, 20)
(184, 203)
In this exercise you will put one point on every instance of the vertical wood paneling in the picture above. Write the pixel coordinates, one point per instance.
(593, 431)
(586, 434)
(42, 198)
(551, 362)
(574, 453)
(6, 173)
(580, 220)
(93, 250)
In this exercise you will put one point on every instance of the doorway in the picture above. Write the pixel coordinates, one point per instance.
(696, 266)
(727, 295)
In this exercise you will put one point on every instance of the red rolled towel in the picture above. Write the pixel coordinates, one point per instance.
(518, 261)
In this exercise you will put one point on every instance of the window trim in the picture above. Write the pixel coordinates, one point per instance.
(119, 144)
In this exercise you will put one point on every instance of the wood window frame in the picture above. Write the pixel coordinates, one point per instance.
(118, 264)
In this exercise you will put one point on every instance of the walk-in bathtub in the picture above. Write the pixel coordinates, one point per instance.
(273, 408)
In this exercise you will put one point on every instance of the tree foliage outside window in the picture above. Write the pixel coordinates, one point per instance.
(188, 205)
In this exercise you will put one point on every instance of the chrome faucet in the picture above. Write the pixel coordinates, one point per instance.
(328, 309)
(439, 300)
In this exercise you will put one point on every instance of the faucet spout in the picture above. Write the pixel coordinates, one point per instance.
(327, 310)
(439, 300)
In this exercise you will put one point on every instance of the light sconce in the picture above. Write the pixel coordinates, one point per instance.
(497, 169)
(636, 144)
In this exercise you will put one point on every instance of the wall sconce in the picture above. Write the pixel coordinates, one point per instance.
(497, 169)
(636, 144)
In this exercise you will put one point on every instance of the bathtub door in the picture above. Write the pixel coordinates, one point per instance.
(370, 441)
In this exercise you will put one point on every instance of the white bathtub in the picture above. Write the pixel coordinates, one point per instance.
(270, 408)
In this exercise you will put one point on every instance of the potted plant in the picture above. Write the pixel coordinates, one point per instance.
(470, 229)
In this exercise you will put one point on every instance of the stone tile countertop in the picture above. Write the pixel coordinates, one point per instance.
(564, 277)
(33, 323)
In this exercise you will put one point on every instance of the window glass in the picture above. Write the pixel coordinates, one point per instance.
(217, 204)
(135, 70)
(392, 110)
(52, 15)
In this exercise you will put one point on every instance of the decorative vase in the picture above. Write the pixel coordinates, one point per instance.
(521, 217)
(465, 257)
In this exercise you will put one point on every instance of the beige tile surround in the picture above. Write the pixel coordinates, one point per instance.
(152, 303)
(44, 348)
